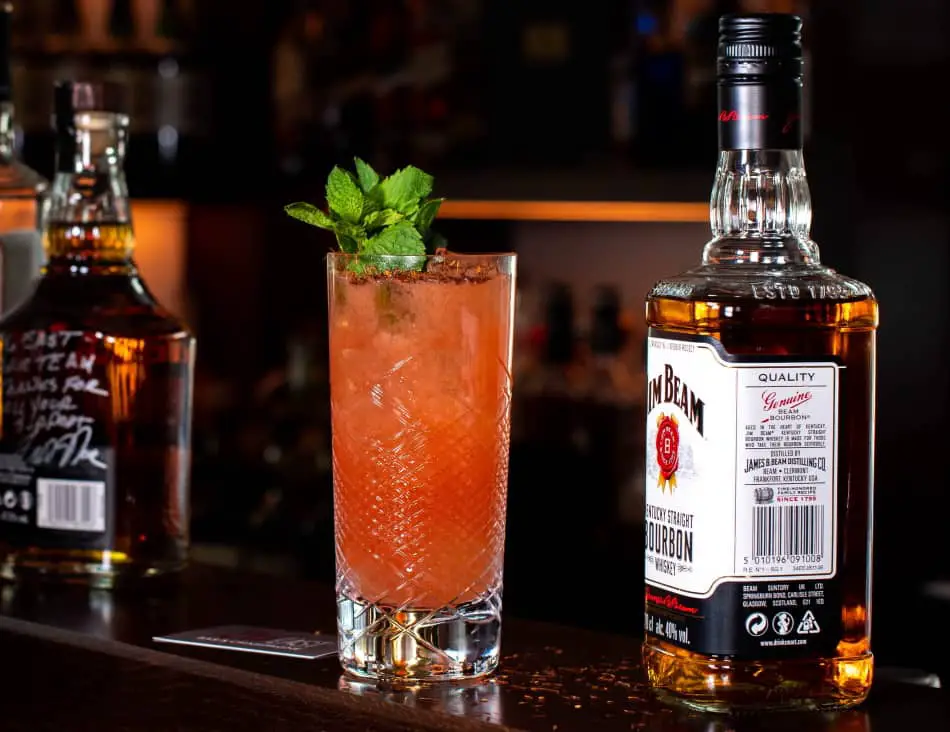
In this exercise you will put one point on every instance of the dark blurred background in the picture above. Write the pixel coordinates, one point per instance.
(239, 108)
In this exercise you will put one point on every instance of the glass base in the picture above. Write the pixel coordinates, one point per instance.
(445, 644)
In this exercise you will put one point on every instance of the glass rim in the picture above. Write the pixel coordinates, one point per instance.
(453, 255)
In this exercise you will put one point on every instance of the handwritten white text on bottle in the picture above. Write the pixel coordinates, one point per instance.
(45, 373)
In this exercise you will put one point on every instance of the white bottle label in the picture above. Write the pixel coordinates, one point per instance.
(741, 487)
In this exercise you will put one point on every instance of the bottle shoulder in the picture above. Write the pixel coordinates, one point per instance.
(19, 181)
(124, 309)
(126, 324)
(805, 283)
(779, 295)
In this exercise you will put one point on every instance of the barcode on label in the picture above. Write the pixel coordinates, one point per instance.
(788, 530)
(71, 505)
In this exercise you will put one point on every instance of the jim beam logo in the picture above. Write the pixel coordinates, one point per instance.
(668, 388)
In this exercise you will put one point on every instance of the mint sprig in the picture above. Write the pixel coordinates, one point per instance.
(384, 222)
(368, 177)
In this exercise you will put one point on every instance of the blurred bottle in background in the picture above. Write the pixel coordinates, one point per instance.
(64, 22)
(551, 376)
(121, 21)
(21, 191)
(560, 358)
(96, 474)
(609, 377)
(615, 407)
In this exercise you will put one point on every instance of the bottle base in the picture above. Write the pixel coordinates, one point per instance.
(725, 686)
(103, 570)
(446, 644)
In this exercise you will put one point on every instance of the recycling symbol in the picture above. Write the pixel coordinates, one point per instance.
(808, 624)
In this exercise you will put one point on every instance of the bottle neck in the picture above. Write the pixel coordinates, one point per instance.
(7, 134)
(87, 224)
(760, 207)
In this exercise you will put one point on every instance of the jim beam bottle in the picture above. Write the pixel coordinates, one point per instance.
(760, 424)
(97, 378)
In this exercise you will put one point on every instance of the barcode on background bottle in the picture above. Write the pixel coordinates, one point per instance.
(71, 505)
(788, 530)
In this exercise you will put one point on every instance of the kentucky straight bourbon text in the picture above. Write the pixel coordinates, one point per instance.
(760, 424)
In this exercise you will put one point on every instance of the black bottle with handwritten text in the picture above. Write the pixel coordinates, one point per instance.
(96, 381)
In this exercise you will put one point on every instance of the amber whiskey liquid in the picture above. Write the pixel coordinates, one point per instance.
(96, 397)
(809, 328)
(761, 367)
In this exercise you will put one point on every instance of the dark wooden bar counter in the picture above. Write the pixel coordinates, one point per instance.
(76, 660)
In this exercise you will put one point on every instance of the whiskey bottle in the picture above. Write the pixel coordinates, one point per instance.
(760, 424)
(21, 191)
(121, 20)
(97, 379)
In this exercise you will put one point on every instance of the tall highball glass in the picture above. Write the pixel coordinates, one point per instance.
(420, 384)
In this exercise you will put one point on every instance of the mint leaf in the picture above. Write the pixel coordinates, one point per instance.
(435, 241)
(350, 237)
(378, 219)
(400, 239)
(372, 202)
(399, 246)
(310, 214)
(344, 196)
(354, 231)
(403, 189)
(427, 213)
(367, 176)
(348, 244)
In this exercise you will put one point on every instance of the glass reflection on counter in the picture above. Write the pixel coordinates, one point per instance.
(90, 612)
(478, 699)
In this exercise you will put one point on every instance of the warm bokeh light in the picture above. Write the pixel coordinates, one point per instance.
(622, 211)
(160, 234)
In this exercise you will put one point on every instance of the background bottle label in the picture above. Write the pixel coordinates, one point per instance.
(741, 501)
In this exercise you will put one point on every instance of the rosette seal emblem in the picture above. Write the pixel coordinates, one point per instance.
(667, 450)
